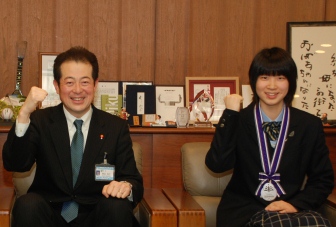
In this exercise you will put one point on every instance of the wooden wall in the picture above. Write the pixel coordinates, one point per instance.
(158, 40)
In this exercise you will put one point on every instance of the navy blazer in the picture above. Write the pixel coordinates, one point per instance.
(235, 145)
(47, 143)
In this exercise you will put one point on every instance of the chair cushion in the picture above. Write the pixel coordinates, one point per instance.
(328, 212)
(197, 178)
(138, 156)
(209, 204)
(22, 181)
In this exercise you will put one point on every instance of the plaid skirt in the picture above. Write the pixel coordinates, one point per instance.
(306, 218)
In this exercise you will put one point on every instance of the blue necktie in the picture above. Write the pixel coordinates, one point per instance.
(70, 208)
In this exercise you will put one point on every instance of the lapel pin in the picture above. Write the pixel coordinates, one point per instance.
(101, 136)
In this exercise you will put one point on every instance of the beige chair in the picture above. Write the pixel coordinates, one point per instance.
(207, 187)
(22, 181)
(201, 183)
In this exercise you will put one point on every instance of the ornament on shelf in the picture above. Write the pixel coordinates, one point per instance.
(7, 114)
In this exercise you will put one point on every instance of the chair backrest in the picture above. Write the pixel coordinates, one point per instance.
(138, 156)
(22, 181)
(197, 178)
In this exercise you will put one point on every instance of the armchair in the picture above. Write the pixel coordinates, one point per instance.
(22, 181)
(207, 187)
(154, 209)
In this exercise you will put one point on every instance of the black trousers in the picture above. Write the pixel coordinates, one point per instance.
(33, 210)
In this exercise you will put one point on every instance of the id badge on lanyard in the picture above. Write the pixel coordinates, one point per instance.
(104, 171)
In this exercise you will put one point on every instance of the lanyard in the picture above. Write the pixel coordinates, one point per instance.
(270, 168)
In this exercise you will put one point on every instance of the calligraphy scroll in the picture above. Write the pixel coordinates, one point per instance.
(313, 48)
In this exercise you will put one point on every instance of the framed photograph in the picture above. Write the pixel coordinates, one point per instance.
(148, 120)
(46, 66)
(247, 94)
(217, 87)
(313, 48)
(168, 98)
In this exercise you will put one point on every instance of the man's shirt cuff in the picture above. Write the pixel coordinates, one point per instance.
(21, 128)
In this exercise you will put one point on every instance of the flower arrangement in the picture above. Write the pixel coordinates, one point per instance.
(10, 107)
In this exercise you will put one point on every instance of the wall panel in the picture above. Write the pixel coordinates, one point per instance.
(207, 17)
(72, 20)
(330, 10)
(35, 26)
(172, 40)
(137, 40)
(104, 38)
(273, 16)
(8, 23)
(223, 38)
(162, 41)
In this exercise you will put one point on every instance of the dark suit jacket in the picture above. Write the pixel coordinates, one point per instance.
(235, 145)
(47, 142)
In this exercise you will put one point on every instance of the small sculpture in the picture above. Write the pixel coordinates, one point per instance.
(203, 106)
(123, 114)
(324, 119)
(7, 114)
(158, 120)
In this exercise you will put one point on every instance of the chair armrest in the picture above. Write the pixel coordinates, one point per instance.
(6, 203)
(155, 210)
(332, 199)
(328, 209)
(190, 213)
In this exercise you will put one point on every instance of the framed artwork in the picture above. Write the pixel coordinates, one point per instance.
(217, 87)
(124, 85)
(168, 98)
(313, 48)
(140, 102)
(46, 66)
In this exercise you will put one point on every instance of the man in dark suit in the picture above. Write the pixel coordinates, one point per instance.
(62, 193)
(272, 148)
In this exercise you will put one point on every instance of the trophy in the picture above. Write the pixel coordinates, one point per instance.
(21, 48)
(182, 117)
(202, 109)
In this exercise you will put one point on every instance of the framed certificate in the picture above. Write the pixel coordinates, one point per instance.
(168, 99)
(46, 66)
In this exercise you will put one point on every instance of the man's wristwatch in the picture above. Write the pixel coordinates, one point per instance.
(130, 196)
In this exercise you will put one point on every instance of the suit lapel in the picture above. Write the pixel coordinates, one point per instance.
(61, 141)
(250, 123)
(93, 146)
(293, 124)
